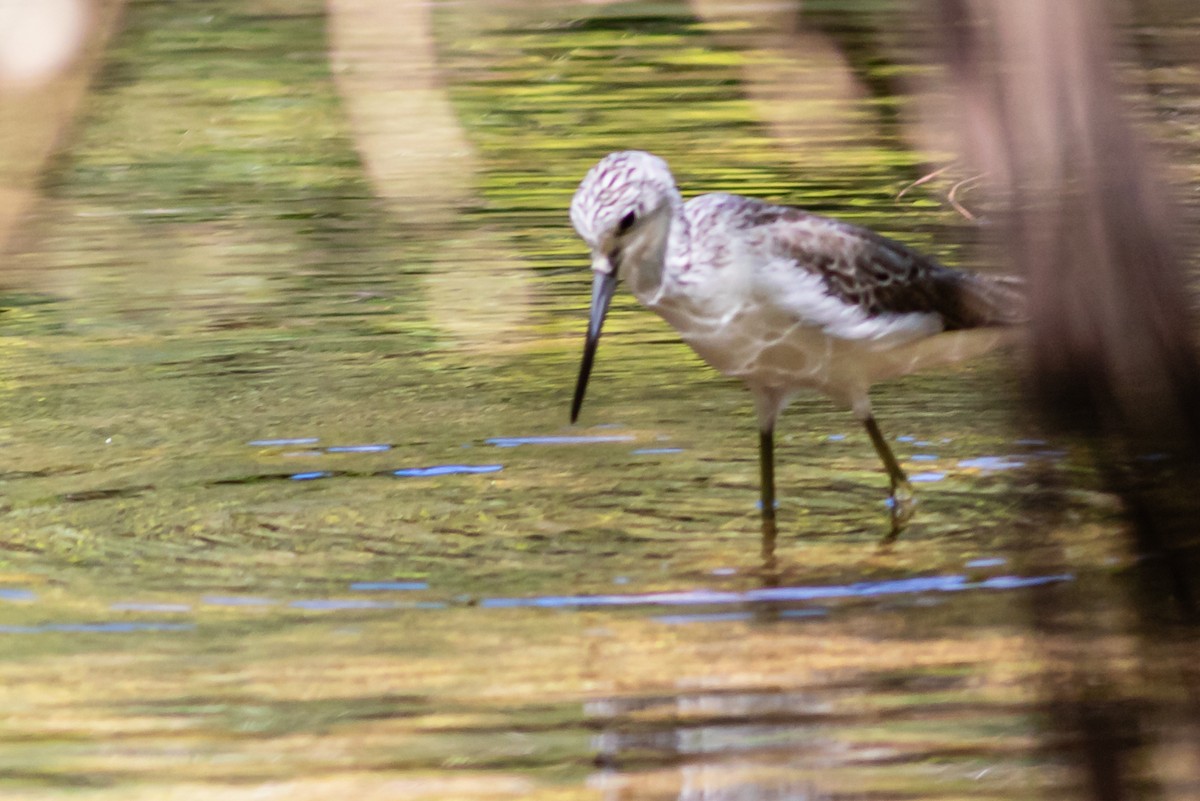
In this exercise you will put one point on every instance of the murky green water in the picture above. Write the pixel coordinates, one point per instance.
(269, 525)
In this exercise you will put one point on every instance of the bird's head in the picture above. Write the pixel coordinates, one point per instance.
(622, 210)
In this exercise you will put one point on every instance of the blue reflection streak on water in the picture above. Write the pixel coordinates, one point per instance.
(927, 477)
(367, 586)
(512, 442)
(237, 600)
(682, 598)
(96, 628)
(378, 448)
(836, 437)
(1016, 582)
(447, 469)
(866, 589)
(991, 561)
(310, 476)
(17, 595)
(135, 606)
(923, 457)
(991, 463)
(655, 451)
(274, 443)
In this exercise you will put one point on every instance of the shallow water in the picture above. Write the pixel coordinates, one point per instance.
(291, 506)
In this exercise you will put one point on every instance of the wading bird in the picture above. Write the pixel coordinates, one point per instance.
(783, 299)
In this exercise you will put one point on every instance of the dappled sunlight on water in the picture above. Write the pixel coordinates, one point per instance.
(291, 505)
(629, 700)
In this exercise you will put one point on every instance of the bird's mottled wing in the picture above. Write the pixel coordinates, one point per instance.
(882, 276)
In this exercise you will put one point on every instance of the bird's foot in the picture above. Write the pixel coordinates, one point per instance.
(901, 503)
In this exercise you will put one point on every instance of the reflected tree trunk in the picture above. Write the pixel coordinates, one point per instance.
(36, 112)
(420, 161)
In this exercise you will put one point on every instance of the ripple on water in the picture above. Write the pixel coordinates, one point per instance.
(283, 442)
(336, 604)
(350, 604)
(714, 617)
(372, 586)
(724, 617)
(237, 600)
(446, 470)
(866, 589)
(135, 606)
(580, 439)
(991, 561)
(115, 627)
(310, 475)
(991, 463)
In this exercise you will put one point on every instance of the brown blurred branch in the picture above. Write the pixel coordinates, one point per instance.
(952, 195)
(924, 179)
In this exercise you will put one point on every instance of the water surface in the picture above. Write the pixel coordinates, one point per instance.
(290, 501)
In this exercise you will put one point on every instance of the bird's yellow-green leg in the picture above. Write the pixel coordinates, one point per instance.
(901, 495)
(766, 464)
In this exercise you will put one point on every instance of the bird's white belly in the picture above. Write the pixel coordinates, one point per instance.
(767, 350)
(771, 350)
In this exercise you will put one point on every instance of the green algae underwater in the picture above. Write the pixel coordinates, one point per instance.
(290, 503)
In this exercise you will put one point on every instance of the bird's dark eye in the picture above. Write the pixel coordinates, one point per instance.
(626, 222)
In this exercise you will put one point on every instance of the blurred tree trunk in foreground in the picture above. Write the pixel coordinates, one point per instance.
(1113, 357)
(47, 59)
(1112, 353)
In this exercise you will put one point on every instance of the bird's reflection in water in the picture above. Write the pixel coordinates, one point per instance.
(713, 745)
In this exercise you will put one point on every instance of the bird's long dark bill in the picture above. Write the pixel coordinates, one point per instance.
(603, 286)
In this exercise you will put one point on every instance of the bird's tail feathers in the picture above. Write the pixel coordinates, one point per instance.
(987, 300)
